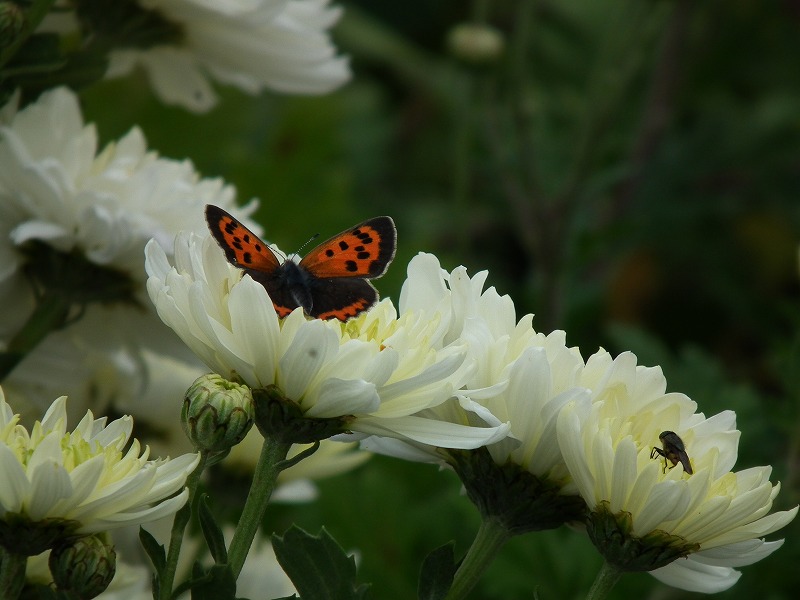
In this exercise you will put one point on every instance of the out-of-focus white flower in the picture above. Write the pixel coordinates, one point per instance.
(59, 190)
(82, 481)
(251, 44)
(262, 576)
(715, 517)
(375, 370)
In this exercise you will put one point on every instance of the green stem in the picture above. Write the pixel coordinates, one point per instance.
(12, 573)
(167, 576)
(33, 16)
(270, 464)
(491, 536)
(50, 314)
(606, 579)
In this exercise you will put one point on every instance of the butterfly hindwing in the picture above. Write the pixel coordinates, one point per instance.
(242, 247)
(362, 251)
(341, 298)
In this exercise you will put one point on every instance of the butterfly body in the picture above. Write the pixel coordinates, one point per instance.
(329, 282)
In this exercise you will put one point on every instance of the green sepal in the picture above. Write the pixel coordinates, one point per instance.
(211, 531)
(317, 566)
(514, 496)
(22, 536)
(437, 573)
(280, 418)
(613, 536)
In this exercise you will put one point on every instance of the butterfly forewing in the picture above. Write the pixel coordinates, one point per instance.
(242, 247)
(363, 251)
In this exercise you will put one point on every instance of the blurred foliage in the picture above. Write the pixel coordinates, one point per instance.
(628, 170)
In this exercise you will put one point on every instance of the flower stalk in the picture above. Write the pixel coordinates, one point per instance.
(12, 573)
(178, 527)
(270, 463)
(51, 313)
(491, 537)
(604, 582)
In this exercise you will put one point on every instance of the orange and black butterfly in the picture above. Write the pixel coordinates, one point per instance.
(330, 282)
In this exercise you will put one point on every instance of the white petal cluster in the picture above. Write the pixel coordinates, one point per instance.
(251, 44)
(379, 368)
(58, 188)
(519, 377)
(85, 475)
(606, 439)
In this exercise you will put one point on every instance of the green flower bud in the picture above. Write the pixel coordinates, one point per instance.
(12, 20)
(512, 495)
(476, 43)
(612, 534)
(85, 567)
(217, 413)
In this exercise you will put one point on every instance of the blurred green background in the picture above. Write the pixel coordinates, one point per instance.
(629, 171)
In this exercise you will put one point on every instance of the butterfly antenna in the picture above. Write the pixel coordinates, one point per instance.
(308, 241)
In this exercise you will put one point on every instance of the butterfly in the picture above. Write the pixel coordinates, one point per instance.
(330, 282)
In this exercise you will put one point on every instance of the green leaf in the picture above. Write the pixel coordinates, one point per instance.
(218, 583)
(155, 551)
(437, 572)
(317, 566)
(212, 531)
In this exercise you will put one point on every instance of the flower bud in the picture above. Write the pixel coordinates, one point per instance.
(12, 20)
(84, 567)
(476, 43)
(217, 413)
(612, 535)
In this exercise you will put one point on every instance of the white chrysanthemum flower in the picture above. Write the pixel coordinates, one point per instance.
(715, 517)
(82, 481)
(377, 370)
(520, 377)
(251, 44)
(58, 190)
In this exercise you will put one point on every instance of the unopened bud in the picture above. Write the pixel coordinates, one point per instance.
(217, 413)
(12, 20)
(476, 43)
(84, 567)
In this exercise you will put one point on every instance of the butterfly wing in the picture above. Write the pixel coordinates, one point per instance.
(363, 251)
(242, 247)
(341, 298)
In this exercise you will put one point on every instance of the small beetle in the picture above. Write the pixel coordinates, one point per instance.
(674, 451)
